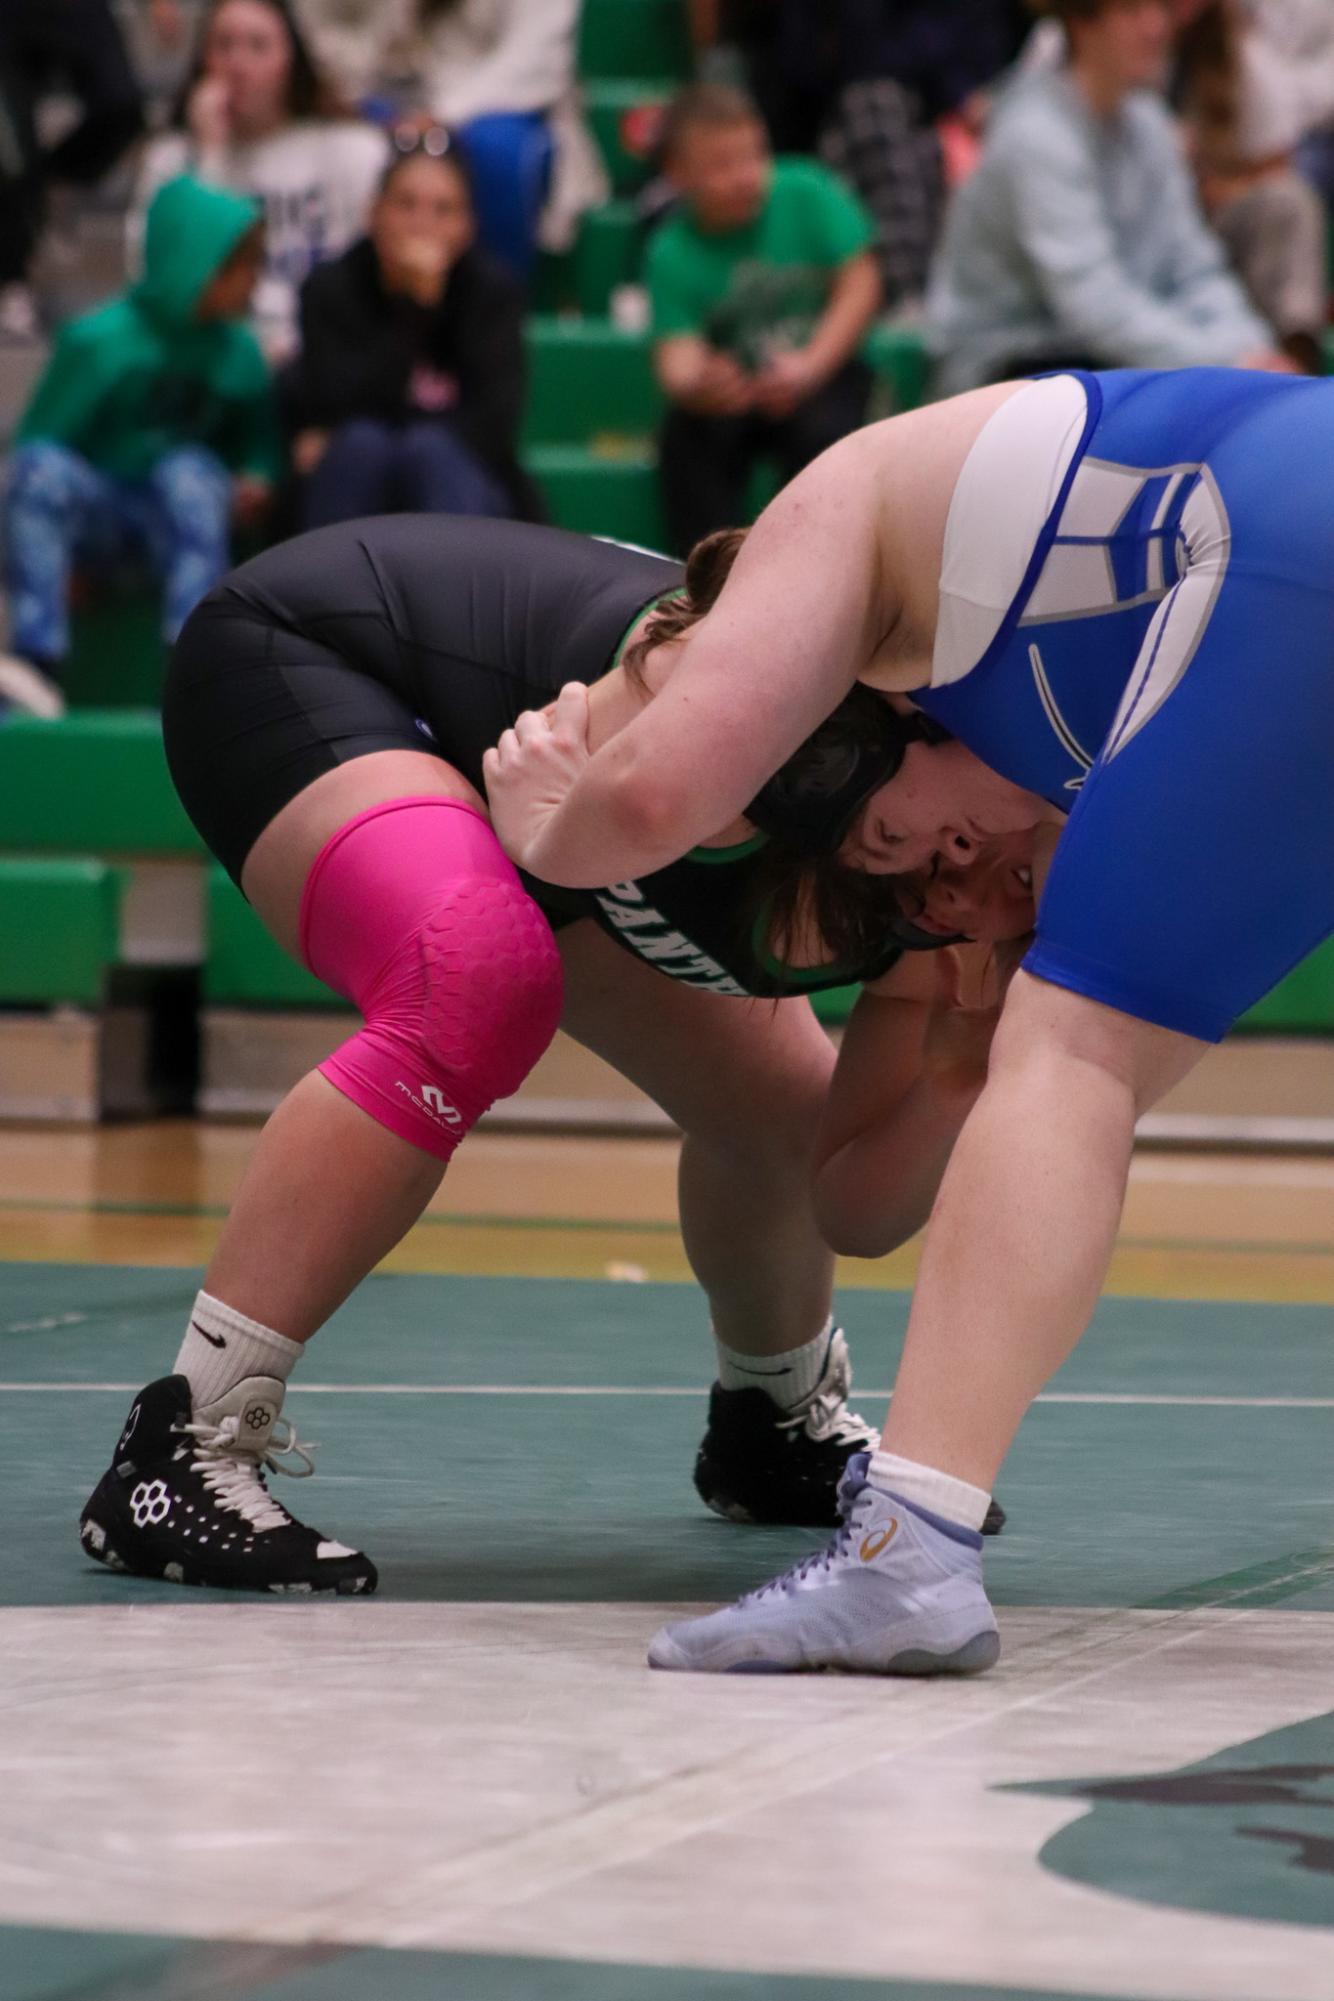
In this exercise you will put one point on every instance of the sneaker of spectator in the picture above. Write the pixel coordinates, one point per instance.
(150, 432)
(256, 117)
(26, 691)
(1244, 115)
(1078, 240)
(763, 287)
(410, 383)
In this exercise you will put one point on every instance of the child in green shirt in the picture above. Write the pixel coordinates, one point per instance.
(763, 287)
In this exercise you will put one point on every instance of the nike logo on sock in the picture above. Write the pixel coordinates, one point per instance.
(760, 1372)
(217, 1339)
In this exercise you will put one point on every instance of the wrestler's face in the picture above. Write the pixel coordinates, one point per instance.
(990, 900)
(939, 810)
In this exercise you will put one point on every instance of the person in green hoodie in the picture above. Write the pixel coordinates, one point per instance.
(152, 429)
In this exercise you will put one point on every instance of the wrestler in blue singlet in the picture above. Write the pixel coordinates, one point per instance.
(1137, 622)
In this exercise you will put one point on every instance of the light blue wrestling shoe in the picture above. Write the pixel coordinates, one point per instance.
(897, 1591)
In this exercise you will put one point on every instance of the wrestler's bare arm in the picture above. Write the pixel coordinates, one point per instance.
(912, 1064)
(803, 610)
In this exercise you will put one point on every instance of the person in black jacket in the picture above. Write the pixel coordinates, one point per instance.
(410, 382)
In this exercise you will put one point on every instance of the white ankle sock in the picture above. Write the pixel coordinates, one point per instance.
(222, 1347)
(954, 1499)
(786, 1378)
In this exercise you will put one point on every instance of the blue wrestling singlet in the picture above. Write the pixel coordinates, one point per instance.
(1137, 623)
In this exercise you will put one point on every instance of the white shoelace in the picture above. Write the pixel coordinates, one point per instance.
(824, 1415)
(231, 1471)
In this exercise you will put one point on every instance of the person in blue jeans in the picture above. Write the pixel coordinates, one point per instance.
(151, 430)
(410, 382)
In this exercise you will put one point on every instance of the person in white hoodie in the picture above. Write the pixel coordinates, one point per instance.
(256, 117)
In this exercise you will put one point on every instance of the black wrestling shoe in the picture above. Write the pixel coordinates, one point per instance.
(760, 1464)
(185, 1499)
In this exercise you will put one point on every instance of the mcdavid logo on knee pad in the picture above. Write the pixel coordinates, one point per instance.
(433, 1102)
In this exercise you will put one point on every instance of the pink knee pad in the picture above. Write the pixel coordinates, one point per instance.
(415, 914)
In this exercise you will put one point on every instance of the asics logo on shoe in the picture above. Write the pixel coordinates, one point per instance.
(216, 1340)
(258, 1416)
(879, 1539)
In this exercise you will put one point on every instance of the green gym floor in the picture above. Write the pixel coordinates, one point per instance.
(470, 1786)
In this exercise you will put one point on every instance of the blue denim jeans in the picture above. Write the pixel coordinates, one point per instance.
(375, 468)
(509, 160)
(59, 509)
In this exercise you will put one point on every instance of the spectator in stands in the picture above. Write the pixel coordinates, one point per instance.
(1299, 35)
(763, 287)
(410, 382)
(256, 118)
(1245, 118)
(1079, 239)
(501, 73)
(77, 45)
(872, 86)
(151, 430)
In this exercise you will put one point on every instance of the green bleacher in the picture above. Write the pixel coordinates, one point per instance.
(63, 915)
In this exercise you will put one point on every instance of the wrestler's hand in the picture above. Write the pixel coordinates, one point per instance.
(962, 1019)
(532, 769)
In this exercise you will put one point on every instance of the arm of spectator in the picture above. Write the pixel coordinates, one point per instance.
(701, 378)
(258, 456)
(63, 408)
(854, 301)
(1063, 231)
(1206, 287)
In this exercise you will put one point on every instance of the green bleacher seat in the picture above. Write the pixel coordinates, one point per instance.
(607, 253)
(614, 109)
(597, 495)
(619, 38)
(59, 922)
(243, 966)
(588, 382)
(116, 657)
(1303, 1004)
(95, 782)
(899, 359)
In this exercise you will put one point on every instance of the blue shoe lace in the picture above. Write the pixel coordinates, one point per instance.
(850, 1489)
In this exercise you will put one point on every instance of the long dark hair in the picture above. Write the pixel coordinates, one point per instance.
(1207, 82)
(310, 94)
(851, 913)
(708, 566)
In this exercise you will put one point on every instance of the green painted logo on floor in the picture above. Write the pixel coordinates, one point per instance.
(1248, 1833)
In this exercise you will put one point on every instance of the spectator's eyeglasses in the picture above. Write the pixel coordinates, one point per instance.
(436, 141)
